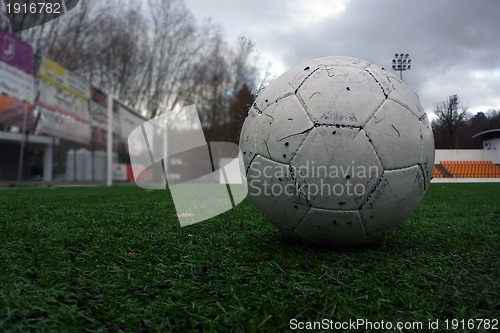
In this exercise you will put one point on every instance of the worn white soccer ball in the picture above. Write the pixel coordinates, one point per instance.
(337, 151)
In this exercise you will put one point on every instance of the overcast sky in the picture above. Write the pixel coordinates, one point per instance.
(454, 44)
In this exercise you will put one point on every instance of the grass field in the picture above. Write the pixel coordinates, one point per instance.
(114, 259)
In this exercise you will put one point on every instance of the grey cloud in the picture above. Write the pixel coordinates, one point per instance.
(448, 40)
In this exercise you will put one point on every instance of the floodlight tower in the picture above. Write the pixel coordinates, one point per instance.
(401, 62)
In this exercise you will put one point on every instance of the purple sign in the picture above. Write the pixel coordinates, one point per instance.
(15, 52)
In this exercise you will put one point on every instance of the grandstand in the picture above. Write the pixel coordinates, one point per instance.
(470, 165)
(471, 169)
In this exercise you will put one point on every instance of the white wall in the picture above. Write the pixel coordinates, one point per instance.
(468, 155)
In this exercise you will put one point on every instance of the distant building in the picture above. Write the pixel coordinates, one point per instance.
(491, 139)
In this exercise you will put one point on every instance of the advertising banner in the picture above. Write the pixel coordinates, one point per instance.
(99, 108)
(99, 116)
(63, 104)
(16, 53)
(124, 122)
(17, 92)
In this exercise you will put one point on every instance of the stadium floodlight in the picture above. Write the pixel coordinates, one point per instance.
(401, 62)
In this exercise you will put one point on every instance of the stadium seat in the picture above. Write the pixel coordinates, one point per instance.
(471, 169)
(436, 173)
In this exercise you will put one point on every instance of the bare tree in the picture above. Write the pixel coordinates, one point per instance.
(451, 115)
(172, 44)
(218, 74)
(152, 55)
(4, 19)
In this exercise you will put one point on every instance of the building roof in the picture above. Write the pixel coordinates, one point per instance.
(489, 134)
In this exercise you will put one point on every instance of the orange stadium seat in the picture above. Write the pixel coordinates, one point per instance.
(471, 169)
(436, 173)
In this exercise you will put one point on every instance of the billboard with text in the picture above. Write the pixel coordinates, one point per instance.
(63, 103)
(17, 92)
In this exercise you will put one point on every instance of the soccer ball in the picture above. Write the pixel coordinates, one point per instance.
(337, 151)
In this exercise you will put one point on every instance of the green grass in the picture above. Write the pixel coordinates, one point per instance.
(114, 259)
